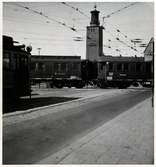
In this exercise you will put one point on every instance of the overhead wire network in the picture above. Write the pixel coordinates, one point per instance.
(76, 39)
(134, 41)
(122, 41)
(119, 10)
(118, 30)
(108, 16)
(46, 16)
(119, 40)
(82, 13)
(76, 9)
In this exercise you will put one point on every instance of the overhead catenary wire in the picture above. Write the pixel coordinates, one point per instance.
(46, 16)
(76, 9)
(117, 29)
(9, 19)
(52, 40)
(118, 39)
(134, 41)
(63, 24)
(119, 10)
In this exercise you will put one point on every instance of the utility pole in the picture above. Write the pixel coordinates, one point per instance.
(39, 49)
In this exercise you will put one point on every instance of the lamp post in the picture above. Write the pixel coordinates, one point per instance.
(29, 49)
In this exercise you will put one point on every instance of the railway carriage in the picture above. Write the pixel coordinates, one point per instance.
(112, 71)
(16, 62)
(119, 72)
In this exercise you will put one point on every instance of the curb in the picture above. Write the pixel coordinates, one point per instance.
(35, 109)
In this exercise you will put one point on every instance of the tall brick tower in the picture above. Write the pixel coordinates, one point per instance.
(94, 43)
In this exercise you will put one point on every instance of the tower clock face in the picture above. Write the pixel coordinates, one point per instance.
(92, 36)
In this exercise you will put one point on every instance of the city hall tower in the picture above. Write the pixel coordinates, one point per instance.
(94, 43)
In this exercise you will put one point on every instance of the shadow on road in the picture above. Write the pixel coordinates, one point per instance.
(27, 103)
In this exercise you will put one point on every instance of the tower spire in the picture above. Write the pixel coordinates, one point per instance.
(95, 17)
(95, 6)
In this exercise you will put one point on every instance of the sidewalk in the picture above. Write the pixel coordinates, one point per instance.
(127, 139)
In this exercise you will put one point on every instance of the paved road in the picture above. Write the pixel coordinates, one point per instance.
(30, 141)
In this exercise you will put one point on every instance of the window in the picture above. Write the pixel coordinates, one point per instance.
(13, 62)
(63, 67)
(138, 67)
(59, 67)
(41, 66)
(148, 67)
(17, 61)
(101, 66)
(32, 66)
(66, 67)
(92, 30)
(75, 66)
(36, 67)
(125, 67)
(110, 66)
(119, 67)
(6, 61)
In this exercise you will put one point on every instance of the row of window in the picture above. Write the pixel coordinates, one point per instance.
(14, 61)
(91, 29)
(58, 67)
(128, 67)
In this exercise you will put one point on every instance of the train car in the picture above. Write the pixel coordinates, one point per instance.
(16, 62)
(119, 72)
(71, 71)
(56, 71)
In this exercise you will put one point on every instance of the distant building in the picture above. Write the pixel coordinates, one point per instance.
(94, 43)
(149, 51)
(44, 66)
(94, 51)
(149, 57)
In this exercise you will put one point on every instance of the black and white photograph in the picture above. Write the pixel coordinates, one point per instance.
(78, 82)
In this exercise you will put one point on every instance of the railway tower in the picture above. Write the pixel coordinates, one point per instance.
(94, 39)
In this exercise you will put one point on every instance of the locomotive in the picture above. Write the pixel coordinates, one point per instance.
(16, 82)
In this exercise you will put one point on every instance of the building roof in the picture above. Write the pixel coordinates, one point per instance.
(151, 41)
(121, 59)
(56, 57)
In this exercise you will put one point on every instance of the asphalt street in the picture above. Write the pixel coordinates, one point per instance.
(30, 141)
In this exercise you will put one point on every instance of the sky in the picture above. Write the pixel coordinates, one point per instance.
(53, 34)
